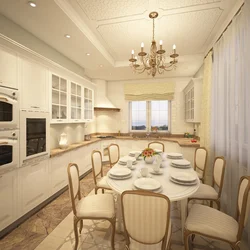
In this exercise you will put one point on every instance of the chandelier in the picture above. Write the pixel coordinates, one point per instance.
(154, 61)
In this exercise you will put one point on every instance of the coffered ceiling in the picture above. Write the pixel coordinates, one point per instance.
(110, 29)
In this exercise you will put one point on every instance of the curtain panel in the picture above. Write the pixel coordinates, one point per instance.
(149, 91)
(230, 126)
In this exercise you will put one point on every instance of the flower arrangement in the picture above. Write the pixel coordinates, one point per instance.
(148, 152)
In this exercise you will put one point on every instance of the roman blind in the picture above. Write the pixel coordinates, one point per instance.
(149, 91)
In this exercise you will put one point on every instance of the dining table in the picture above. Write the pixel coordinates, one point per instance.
(174, 191)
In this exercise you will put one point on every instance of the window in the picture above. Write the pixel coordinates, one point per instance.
(149, 116)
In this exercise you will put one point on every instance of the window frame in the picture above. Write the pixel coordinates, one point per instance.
(148, 118)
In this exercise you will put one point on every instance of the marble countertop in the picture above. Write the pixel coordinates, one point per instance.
(183, 142)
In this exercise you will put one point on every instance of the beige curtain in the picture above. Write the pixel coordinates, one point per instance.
(149, 91)
(205, 134)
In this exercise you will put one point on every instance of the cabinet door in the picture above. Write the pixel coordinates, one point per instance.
(79, 156)
(58, 172)
(8, 69)
(76, 103)
(8, 198)
(59, 100)
(33, 185)
(34, 86)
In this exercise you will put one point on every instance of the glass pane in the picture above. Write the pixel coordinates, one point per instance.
(73, 88)
(85, 114)
(55, 96)
(73, 113)
(55, 82)
(63, 98)
(73, 101)
(90, 94)
(86, 93)
(159, 115)
(63, 112)
(79, 90)
(78, 115)
(63, 86)
(79, 102)
(138, 116)
(6, 112)
(55, 112)
(6, 154)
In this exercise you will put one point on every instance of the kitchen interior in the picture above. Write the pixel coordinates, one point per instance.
(75, 77)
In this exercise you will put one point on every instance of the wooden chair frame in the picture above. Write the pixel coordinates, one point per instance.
(76, 219)
(239, 217)
(157, 142)
(113, 163)
(94, 173)
(205, 165)
(148, 193)
(217, 201)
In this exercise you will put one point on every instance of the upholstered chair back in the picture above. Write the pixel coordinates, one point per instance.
(157, 145)
(114, 153)
(96, 159)
(218, 173)
(200, 158)
(146, 216)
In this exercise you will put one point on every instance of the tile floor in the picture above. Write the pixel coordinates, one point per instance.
(52, 229)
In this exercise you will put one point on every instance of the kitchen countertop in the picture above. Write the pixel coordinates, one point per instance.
(183, 142)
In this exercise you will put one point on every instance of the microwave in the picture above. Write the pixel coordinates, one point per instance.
(9, 109)
(34, 136)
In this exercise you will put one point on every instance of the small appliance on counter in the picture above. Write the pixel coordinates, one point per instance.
(63, 143)
(87, 137)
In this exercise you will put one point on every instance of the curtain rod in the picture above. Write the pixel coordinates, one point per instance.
(238, 11)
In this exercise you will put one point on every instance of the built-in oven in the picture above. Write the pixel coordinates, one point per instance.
(34, 135)
(9, 150)
(9, 109)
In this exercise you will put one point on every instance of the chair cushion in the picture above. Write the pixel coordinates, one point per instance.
(205, 192)
(96, 206)
(102, 183)
(206, 220)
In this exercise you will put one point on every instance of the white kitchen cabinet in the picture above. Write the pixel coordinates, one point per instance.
(33, 186)
(193, 95)
(34, 86)
(8, 198)
(58, 172)
(59, 99)
(88, 105)
(76, 103)
(8, 69)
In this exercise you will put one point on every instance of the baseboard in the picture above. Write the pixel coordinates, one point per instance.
(19, 221)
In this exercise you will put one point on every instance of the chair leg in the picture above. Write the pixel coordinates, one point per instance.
(81, 226)
(96, 190)
(113, 221)
(192, 237)
(218, 205)
(211, 203)
(103, 191)
(186, 240)
(76, 232)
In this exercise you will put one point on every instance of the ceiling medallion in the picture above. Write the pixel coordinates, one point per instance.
(154, 61)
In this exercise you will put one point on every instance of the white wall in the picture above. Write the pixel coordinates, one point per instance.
(114, 121)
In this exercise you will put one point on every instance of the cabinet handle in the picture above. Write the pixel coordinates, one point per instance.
(35, 164)
(35, 107)
(59, 120)
(4, 143)
(3, 98)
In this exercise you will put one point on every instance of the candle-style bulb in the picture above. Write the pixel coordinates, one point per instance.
(133, 52)
(174, 47)
(142, 45)
(161, 42)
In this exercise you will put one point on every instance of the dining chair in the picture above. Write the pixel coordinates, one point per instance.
(200, 162)
(97, 170)
(210, 193)
(114, 154)
(156, 145)
(209, 222)
(92, 207)
(146, 217)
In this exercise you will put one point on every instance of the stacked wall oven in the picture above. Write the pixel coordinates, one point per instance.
(9, 129)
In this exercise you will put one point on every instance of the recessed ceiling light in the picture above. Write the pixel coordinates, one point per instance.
(32, 4)
(67, 35)
(101, 65)
(87, 54)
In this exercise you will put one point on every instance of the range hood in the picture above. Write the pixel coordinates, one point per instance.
(102, 103)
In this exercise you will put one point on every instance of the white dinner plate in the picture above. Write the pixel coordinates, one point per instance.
(159, 190)
(178, 166)
(184, 183)
(174, 155)
(158, 150)
(125, 163)
(147, 184)
(119, 177)
(124, 159)
(120, 171)
(181, 162)
(160, 172)
(184, 176)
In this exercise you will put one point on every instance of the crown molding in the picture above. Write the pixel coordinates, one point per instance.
(76, 19)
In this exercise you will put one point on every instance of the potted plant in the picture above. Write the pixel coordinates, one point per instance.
(149, 155)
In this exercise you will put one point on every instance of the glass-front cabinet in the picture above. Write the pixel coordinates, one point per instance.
(76, 111)
(88, 104)
(59, 103)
